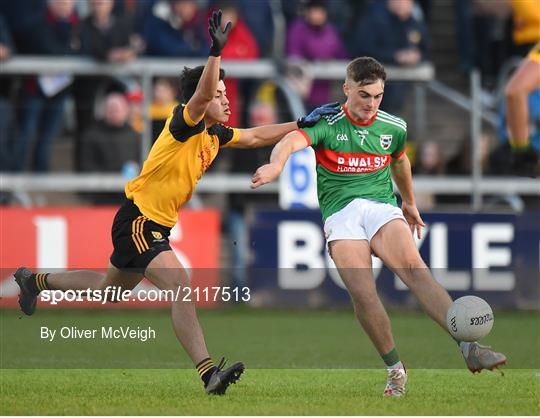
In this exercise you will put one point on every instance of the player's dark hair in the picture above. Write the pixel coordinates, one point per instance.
(365, 70)
(190, 78)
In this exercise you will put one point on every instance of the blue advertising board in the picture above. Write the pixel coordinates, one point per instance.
(494, 256)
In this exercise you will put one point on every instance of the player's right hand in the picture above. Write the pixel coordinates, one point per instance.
(219, 37)
(316, 114)
(265, 174)
(411, 214)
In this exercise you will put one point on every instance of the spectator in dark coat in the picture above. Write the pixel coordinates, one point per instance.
(21, 18)
(43, 98)
(108, 38)
(111, 142)
(180, 32)
(393, 33)
(110, 145)
(6, 108)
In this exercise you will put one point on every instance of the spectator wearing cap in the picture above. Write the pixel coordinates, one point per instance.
(313, 38)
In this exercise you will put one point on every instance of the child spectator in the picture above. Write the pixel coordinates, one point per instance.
(163, 103)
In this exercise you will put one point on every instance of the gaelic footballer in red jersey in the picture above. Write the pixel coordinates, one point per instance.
(358, 152)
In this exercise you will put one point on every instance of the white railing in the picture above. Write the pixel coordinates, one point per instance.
(147, 68)
(210, 182)
(240, 183)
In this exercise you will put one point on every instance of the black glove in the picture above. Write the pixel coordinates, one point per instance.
(219, 37)
(525, 162)
(316, 115)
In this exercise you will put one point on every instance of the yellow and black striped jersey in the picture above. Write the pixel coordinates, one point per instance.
(182, 153)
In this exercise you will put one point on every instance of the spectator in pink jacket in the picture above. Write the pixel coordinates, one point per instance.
(312, 38)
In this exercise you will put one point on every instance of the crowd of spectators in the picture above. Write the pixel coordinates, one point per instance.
(395, 32)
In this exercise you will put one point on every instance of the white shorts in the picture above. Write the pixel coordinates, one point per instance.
(360, 219)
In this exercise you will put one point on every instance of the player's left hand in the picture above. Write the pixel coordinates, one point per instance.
(316, 115)
(219, 37)
(265, 174)
(413, 219)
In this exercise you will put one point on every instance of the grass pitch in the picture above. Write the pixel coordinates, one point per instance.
(266, 392)
(301, 363)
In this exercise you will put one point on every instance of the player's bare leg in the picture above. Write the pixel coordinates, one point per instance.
(516, 92)
(353, 260)
(394, 245)
(167, 273)
(93, 280)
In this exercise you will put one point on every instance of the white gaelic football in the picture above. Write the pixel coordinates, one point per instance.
(469, 318)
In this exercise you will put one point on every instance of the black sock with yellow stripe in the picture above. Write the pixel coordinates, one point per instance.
(205, 369)
(39, 282)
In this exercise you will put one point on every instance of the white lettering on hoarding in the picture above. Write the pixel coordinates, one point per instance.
(301, 265)
(51, 242)
(485, 257)
(299, 245)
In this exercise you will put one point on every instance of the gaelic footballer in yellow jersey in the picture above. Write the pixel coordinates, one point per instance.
(186, 147)
(182, 153)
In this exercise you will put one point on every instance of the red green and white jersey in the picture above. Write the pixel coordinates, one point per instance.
(353, 159)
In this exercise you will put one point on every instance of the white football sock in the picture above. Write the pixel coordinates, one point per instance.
(397, 366)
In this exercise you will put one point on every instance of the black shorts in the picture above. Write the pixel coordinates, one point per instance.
(136, 239)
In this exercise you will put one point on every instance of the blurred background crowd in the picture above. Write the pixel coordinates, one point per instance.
(94, 123)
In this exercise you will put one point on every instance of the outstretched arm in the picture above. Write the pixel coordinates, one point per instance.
(292, 142)
(401, 172)
(263, 136)
(207, 86)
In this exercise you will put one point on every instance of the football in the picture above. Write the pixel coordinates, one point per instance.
(470, 318)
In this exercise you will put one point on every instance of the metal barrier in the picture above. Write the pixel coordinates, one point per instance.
(240, 183)
(147, 68)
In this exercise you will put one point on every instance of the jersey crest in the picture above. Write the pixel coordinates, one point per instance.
(386, 141)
